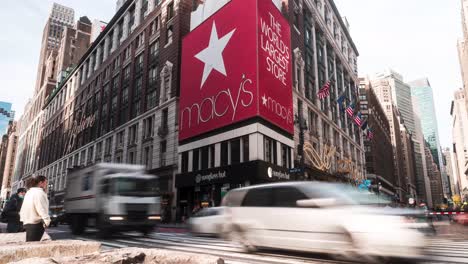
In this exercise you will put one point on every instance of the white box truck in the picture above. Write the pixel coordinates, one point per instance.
(112, 197)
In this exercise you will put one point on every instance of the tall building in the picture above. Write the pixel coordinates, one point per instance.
(6, 115)
(378, 150)
(460, 138)
(452, 173)
(323, 50)
(59, 18)
(215, 156)
(73, 45)
(120, 101)
(437, 194)
(63, 44)
(463, 48)
(10, 155)
(421, 91)
(404, 161)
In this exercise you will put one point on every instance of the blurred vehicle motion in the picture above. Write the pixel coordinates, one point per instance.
(112, 197)
(320, 217)
(462, 218)
(208, 221)
(57, 218)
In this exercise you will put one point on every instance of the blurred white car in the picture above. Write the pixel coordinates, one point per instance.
(319, 217)
(208, 221)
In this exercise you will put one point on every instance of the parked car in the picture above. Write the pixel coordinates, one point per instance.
(319, 217)
(208, 221)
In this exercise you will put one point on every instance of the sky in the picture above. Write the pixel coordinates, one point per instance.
(417, 38)
(20, 42)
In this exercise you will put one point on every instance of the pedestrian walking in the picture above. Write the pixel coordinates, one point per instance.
(35, 210)
(11, 211)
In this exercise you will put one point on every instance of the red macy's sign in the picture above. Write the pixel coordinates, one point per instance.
(237, 65)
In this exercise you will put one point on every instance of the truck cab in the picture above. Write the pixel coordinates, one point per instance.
(112, 197)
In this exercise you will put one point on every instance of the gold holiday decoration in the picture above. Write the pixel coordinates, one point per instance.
(320, 161)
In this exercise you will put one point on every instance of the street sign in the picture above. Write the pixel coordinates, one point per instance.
(295, 170)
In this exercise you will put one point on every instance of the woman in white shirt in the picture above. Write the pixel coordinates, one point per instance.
(35, 210)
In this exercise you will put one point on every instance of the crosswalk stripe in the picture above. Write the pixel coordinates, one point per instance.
(438, 249)
(221, 251)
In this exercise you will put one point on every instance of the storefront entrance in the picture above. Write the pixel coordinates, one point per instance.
(206, 188)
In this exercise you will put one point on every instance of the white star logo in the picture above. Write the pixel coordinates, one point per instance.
(212, 56)
(264, 99)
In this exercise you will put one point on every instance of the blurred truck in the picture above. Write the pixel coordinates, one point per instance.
(112, 197)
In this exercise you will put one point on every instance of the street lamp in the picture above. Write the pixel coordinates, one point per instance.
(299, 120)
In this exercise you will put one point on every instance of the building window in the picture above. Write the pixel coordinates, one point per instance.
(151, 100)
(124, 95)
(169, 34)
(270, 150)
(224, 153)
(126, 76)
(235, 151)
(139, 64)
(162, 148)
(185, 160)
(285, 156)
(120, 139)
(154, 26)
(170, 11)
(205, 152)
(148, 125)
(148, 156)
(164, 118)
(154, 51)
(138, 87)
(245, 148)
(133, 134)
(196, 159)
(90, 154)
(131, 157)
(212, 156)
(108, 145)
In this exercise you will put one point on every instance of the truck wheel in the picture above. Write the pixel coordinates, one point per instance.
(146, 230)
(103, 230)
(77, 224)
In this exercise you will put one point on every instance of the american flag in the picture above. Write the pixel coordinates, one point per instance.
(324, 91)
(350, 110)
(358, 119)
(370, 134)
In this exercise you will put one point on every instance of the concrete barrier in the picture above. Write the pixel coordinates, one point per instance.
(11, 252)
(130, 255)
(8, 238)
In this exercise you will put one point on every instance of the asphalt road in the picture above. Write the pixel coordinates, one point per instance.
(446, 248)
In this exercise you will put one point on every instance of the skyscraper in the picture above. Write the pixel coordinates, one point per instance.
(393, 89)
(60, 17)
(421, 91)
(460, 138)
(6, 114)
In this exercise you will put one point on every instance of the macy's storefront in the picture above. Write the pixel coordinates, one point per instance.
(206, 188)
